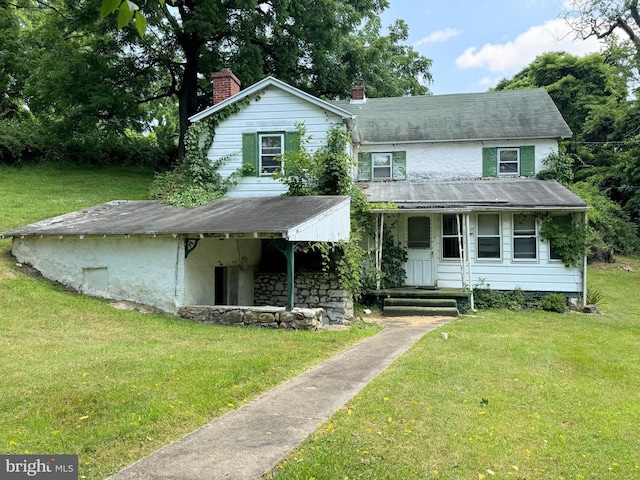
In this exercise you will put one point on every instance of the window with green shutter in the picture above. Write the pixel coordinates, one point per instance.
(382, 166)
(509, 161)
(262, 151)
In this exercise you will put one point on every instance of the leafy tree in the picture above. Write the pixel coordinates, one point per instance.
(316, 45)
(601, 162)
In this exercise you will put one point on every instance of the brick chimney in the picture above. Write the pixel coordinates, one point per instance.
(225, 84)
(357, 95)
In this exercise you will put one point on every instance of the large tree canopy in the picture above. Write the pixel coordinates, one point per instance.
(591, 93)
(91, 70)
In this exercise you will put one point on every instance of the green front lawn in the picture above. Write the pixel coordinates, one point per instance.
(79, 377)
(563, 394)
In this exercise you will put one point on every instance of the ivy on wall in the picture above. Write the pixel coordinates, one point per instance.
(568, 239)
(195, 180)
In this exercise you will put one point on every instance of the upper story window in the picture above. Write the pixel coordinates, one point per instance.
(508, 161)
(382, 166)
(271, 149)
(525, 237)
(489, 235)
(262, 151)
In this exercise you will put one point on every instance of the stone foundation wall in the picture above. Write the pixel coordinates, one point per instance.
(312, 290)
(265, 317)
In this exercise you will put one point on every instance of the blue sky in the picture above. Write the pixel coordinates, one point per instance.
(475, 43)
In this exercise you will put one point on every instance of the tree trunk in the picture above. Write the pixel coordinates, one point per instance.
(187, 94)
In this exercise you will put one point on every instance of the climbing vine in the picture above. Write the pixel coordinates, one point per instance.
(195, 180)
(568, 238)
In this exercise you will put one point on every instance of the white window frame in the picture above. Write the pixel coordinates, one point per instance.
(480, 236)
(524, 234)
(261, 154)
(517, 162)
(386, 156)
(454, 236)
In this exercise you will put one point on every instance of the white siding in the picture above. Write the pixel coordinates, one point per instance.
(139, 269)
(540, 275)
(272, 110)
(455, 160)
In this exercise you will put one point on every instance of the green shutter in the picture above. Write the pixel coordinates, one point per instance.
(249, 154)
(489, 162)
(527, 161)
(291, 141)
(399, 165)
(364, 166)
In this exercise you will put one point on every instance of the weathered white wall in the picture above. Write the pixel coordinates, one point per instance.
(459, 160)
(242, 256)
(273, 110)
(142, 269)
(540, 275)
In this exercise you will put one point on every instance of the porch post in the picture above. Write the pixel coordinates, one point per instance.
(378, 241)
(468, 237)
(290, 274)
(584, 266)
(461, 249)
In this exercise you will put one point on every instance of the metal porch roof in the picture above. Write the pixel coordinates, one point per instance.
(295, 218)
(476, 194)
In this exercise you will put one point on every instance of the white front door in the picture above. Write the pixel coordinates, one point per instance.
(419, 266)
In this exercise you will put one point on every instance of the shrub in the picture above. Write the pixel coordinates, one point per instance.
(554, 303)
(484, 298)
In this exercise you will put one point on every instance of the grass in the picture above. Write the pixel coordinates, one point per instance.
(563, 395)
(79, 377)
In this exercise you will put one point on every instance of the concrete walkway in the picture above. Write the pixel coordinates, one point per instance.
(247, 443)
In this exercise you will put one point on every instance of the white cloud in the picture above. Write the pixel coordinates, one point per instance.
(508, 58)
(438, 36)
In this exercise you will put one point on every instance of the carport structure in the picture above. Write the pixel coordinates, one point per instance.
(160, 255)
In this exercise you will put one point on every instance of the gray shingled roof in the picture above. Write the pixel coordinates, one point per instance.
(516, 114)
(264, 217)
(518, 193)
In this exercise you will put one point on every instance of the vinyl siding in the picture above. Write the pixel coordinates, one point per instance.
(273, 110)
(540, 275)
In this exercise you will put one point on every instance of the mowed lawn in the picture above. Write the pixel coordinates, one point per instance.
(562, 398)
(79, 377)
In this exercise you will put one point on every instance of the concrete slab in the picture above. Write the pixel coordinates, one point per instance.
(246, 443)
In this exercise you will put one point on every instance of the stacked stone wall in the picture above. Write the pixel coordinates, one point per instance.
(265, 317)
(312, 290)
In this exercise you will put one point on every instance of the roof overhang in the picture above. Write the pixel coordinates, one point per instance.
(313, 219)
(504, 194)
(273, 82)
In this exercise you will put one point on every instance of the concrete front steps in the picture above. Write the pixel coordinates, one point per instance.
(399, 302)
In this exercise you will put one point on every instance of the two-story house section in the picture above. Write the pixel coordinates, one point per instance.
(461, 170)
